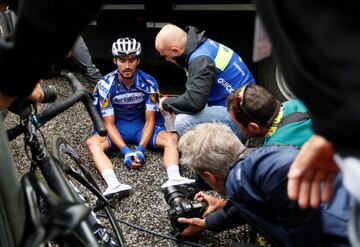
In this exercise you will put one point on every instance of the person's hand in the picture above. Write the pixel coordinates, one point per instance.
(312, 173)
(139, 151)
(37, 94)
(161, 101)
(195, 226)
(130, 159)
(214, 203)
(6, 101)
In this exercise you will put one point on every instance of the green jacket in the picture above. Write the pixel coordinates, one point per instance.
(296, 133)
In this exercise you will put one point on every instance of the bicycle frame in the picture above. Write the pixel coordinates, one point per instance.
(55, 178)
(91, 185)
(13, 231)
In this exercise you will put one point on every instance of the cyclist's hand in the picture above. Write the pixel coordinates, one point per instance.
(139, 151)
(214, 203)
(129, 159)
(128, 156)
(195, 226)
(136, 163)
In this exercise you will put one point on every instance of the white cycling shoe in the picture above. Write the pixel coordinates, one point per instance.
(177, 181)
(120, 191)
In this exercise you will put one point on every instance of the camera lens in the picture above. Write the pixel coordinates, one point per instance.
(173, 196)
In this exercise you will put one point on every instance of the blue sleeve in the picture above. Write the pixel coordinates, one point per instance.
(303, 227)
(104, 90)
(224, 219)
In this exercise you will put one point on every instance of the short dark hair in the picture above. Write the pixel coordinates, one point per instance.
(253, 104)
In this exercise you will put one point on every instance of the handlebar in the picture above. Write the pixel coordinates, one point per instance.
(80, 94)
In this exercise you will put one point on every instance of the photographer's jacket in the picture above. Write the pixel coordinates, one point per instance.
(214, 72)
(257, 188)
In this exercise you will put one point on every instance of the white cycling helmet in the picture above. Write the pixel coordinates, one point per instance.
(125, 46)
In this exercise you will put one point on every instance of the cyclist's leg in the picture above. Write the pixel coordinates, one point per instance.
(169, 141)
(62, 150)
(97, 146)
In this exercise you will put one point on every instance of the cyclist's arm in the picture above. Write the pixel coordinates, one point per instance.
(113, 132)
(148, 127)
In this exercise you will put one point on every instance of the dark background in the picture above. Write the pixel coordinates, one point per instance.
(233, 28)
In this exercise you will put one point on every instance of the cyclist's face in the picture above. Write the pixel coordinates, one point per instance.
(127, 65)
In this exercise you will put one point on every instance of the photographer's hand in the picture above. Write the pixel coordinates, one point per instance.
(214, 203)
(195, 226)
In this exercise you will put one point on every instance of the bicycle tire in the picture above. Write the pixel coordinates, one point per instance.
(76, 169)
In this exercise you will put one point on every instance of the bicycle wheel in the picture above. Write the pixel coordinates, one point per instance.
(86, 187)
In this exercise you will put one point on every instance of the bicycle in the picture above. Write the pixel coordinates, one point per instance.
(67, 220)
(76, 168)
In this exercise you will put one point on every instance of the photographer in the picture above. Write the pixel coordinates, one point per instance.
(256, 186)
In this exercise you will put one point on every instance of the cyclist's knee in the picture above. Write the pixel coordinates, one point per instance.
(93, 145)
(171, 139)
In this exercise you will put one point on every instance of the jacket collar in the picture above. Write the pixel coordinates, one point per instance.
(194, 40)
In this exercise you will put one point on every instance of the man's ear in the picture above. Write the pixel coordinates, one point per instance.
(210, 177)
(114, 60)
(254, 127)
(175, 51)
(138, 61)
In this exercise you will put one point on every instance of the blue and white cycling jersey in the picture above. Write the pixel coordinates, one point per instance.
(113, 97)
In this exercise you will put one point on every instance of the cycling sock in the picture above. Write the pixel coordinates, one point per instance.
(173, 171)
(110, 178)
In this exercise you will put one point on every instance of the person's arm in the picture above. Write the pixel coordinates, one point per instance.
(130, 159)
(148, 130)
(113, 132)
(200, 81)
(303, 227)
(224, 219)
(40, 27)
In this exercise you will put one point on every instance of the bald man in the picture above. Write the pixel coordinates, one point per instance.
(214, 72)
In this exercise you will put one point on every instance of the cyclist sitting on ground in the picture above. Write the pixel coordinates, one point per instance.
(128, 102)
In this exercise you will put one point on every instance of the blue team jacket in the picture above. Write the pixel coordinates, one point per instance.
(257, 186)
(231, 71)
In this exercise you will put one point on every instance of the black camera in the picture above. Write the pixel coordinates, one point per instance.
(181, 206)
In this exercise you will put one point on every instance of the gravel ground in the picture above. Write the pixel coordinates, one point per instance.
(146, 207)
